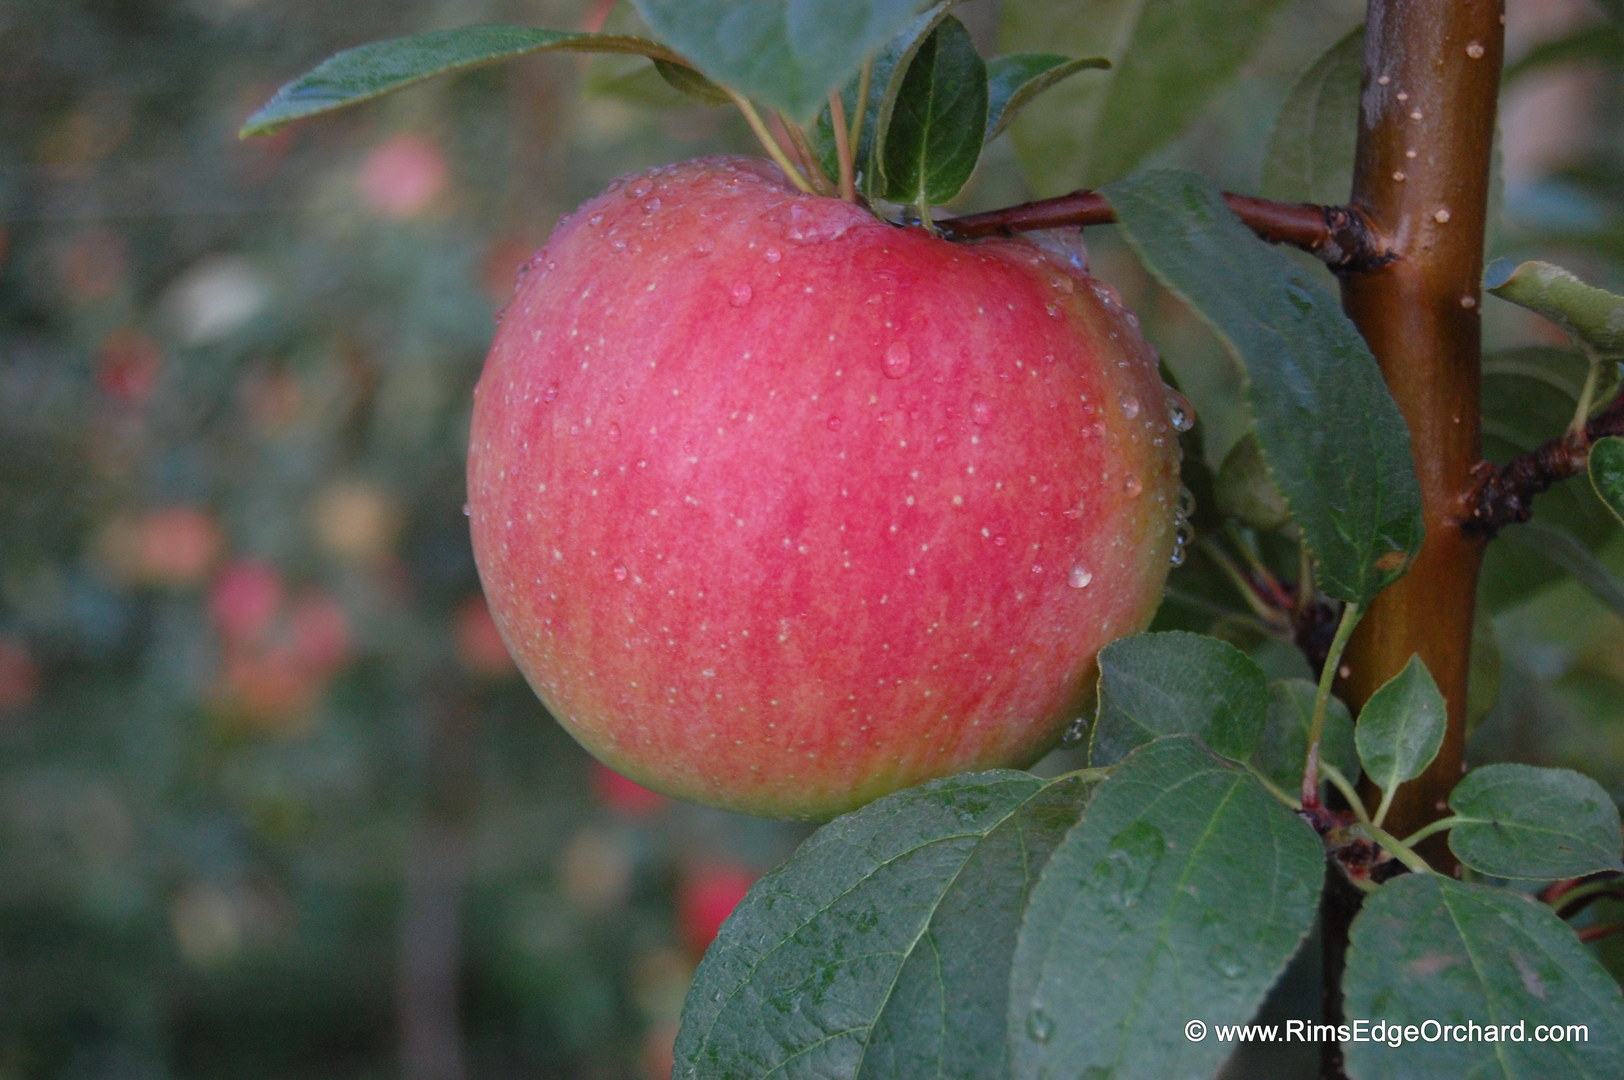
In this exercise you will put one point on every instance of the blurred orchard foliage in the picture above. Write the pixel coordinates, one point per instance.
(272, 800)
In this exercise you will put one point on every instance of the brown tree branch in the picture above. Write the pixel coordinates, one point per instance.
(1502, 495)
(1341, 236)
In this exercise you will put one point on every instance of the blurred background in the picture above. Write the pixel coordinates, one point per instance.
(273, 801)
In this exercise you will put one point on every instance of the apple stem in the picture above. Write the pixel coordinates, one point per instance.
(768, 143)
(837, 120)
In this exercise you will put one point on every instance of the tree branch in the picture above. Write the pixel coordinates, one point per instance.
(1502, 495)
(1341, 236)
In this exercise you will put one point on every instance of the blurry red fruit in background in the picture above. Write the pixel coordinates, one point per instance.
(707, 897)
(19, 675)
(245, 598)
(625, 796)
(178, 545)
(93, 264)
(320, 631)
(402, 176)
(130, 362)
(479, 643)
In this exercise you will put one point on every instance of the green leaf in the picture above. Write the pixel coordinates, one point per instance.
(1245, 490)
(1521, 821)
(1282, 752)
(787, 53)
(1562, 549)
(1401, 727)
(1427, 947)
(370, 71)
(1592, 315)
(1310, 153)
(1174, 682)
(931, 138)
(882, 947)
(1607, 473)
(1013, 81)
(1529, 396)
(1335, 442)
(891, 65)
(1588, 45)
(1180, 895)
(1169, 57)
(692, 83)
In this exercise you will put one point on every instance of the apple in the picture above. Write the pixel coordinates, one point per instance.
(780, 507)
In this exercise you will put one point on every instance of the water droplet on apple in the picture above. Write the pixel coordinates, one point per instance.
(614, 433)
(1037, 569)
(772, 255)
(1053, 310)
(980, 409)
(1076, 732)
(898, 358)
(740, 294)
(1079, 578)
(1179, 411)
(651, 206)
(999, 541)
(1072, 513)
(704, 246)
(1133, 486)
(834, 423)
(640, 187)
(595, 219)
(617, 245)
(550, 393)
(466, 512)
(1129, 405)
(619, 572)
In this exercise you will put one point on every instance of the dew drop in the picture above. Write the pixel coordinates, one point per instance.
(1179, 411)
(550, 393)
(651, 206)
(704, 246)
(1129, 405)
(614, 432)
(595, 219)
(980, 409)
(619, 572)
(740, 294)
(1133, 486)
(834, 423)
(772, 255)
(639, 188)
(1039, 1028)
(898, 357)
(617, 245)
(999, 541)
(1079, 578)
(1076, 732)
(1053, 310)
(466, 512)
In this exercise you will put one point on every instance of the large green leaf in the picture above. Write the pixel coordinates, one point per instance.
(1310, 153)
(1565, 551)
(882, 948)
(1607, 474)
(1520, 821)
(1529, 396)
(1013, 81)
(1335, 442)
(1174, 682)
(890, 67)
(1168, 57)
(931, 138)
(1592, 315)
(1429, 948)
(1401, 727)
(1588, 44)
(369, 71)
(1180, 895)
(1282, 752)
(788, 53)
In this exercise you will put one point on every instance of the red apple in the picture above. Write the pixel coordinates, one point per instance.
(780, 507)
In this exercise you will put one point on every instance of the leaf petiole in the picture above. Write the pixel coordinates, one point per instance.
(768, 143)
(837, 121)
(1349, 792)
(1316, 728)
(1392, 845)
(1435, 827)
